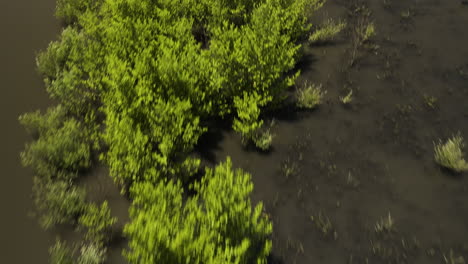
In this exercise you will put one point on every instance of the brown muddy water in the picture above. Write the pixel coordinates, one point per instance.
(26, 26)
(334, 173)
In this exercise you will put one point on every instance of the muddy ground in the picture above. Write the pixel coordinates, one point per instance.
(349, 167)
(355, 165)
(337, 172)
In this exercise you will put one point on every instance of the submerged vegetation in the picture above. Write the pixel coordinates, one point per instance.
(137, 83)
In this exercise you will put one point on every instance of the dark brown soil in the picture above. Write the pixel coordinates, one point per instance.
(354, 165)
(351, 166)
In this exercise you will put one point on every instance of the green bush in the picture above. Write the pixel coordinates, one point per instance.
(217, 225)
(52, 61)
(70, 10)
(139, 70)
(61, 253)
(248, 111)
(450, 155)
(61, 149)
(98, 222)
(37, 124)
(92, 254)
(57, 202)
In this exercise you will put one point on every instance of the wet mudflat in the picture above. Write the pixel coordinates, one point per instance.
(357, 183)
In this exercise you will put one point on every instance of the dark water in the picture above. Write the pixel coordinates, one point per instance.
(26, 26)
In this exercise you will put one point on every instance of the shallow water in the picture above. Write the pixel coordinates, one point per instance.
(26, 26)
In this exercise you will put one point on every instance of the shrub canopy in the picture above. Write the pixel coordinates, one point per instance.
(217, 225)
(145, 75)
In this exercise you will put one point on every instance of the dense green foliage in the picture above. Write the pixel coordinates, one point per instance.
(91, 254)
(148, 74)
(136, 82)
(57, 202)
(98, 222)
(217, 225)
(61, 149)
(61, 253)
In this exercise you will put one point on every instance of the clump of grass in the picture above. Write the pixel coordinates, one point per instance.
(430, 101)
(327, 31)
(368, 32)
(289, 168)
(348, 98)
(451, 259)
(385, 224)
(264, 140)
(450, 155)
(263, 137)
(351, 180)
(310, 96)
(363, 31)
(324, 224)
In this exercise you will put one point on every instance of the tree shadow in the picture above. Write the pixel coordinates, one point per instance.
(210, 140)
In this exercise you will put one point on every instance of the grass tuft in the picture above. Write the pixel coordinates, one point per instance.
(348, 98)
(449, 154)
(264, 140)
(327, 32)
(310, 96)
(385, 224)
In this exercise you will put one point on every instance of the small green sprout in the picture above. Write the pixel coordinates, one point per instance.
(385, 224)
(348, 98)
